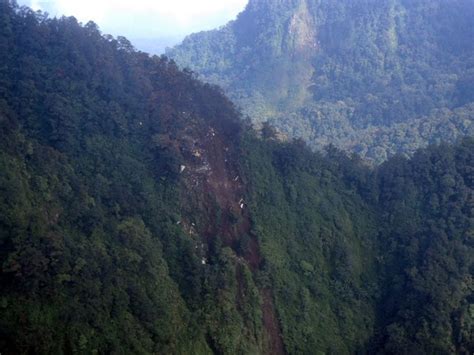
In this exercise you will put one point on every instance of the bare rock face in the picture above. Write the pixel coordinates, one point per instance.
(292, 33)
(302, 38)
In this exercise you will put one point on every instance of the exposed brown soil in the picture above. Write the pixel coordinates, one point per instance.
(272, 325)
(211, 171)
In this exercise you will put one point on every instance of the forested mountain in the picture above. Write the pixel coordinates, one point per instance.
(139, 214)
(376, 77)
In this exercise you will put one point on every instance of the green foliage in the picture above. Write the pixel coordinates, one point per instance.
(317, 238)
(427, 203)
(374, 77)
(366, 261)
(106, 246)
(91, 257)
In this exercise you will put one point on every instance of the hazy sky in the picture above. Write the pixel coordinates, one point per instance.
(142, 20)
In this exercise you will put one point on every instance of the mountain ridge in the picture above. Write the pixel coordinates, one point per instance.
(329, 73)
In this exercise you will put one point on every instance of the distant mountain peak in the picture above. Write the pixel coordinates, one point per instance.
(368, 76)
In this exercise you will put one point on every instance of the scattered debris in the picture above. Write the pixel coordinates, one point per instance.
(212, 132)
(203, 261)
(203, 169)
(182, 168)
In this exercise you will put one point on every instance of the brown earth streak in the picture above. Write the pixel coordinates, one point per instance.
(272, 325)
(213, 173)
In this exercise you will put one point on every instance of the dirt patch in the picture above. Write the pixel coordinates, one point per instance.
(211, 171)
(271, 324)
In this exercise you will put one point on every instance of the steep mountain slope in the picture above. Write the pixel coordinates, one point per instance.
(374, 77)
(139, 214)
(103, 243)
(367, 262)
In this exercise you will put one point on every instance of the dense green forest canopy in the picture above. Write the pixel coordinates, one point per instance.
(139, 214)
(376, 77)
